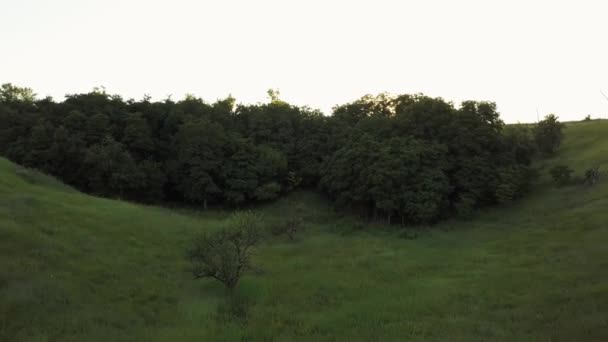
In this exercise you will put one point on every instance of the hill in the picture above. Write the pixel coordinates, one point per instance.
(79, 268)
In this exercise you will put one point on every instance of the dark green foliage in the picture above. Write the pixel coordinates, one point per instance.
(405, 159)
(520, 144)
(419, 159)
(40, 141)
(198, 156)
(268, 191)
(562, 175)
(137, 136)
(65, 155)
(97, 128)
(513, 182)
(225, 255)
(548, 134)
(112, 170)
(75, 123)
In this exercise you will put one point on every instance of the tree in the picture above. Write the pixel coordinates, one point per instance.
(408, 157)
(154, 180)
(548, 134)
(225, 255)
(199, 152)
(239, 173)
(112, 170)
(40, 141)
(420, 186)
(513, 182)
(382, 105)
(66, 156)
(137, 136)
(271, 168)
(15, 129)
(11, 93)
(74, 122)
(519, 144)
(344, 173)
(274, 95)
(97, 128)
(455, 160)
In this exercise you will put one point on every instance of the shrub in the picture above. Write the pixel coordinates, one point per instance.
(561, 175)
(592, 176)
(588, 118)
(226, 254)
(513, 183)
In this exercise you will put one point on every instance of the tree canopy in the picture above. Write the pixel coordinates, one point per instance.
(405, 158)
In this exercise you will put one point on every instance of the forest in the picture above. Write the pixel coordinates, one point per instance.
(405, 159)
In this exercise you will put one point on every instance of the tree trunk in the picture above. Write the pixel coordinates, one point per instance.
(205, 204)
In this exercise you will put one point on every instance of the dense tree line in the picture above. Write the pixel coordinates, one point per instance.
(420, 158)
(409, 158)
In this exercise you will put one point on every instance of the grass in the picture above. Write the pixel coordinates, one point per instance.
(79, 268)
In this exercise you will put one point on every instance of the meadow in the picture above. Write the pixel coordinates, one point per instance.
(79, 268)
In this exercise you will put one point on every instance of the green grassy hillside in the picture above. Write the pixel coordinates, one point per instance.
(79, 268)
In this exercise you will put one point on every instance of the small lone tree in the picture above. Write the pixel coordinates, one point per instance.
(548, 134)
(561, 174)
(225, 255)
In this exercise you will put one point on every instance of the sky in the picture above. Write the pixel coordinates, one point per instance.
(530, 57)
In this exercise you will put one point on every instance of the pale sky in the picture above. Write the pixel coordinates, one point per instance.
(524, 55)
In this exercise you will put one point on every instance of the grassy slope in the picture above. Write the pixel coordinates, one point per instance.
(79, 268)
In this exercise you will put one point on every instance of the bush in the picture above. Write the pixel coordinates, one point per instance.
(588, 118)
(513, 183)
(561, 175)
(225, 255)
(592, 176)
